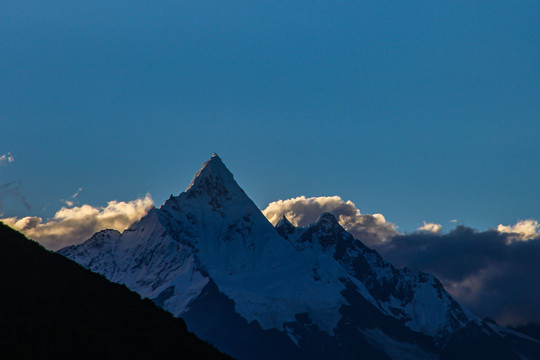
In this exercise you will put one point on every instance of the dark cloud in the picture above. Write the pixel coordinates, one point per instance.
(488, 271)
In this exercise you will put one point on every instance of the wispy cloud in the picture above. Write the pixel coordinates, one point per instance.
(14, 189)
(71, 226)
(302, 211)
(70, 201)
(77, 193)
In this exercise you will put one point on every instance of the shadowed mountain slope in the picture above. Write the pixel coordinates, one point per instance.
(51, 307)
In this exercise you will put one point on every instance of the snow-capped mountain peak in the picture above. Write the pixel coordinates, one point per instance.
(210, 256)
(284, 227)
(212, 176)
(329, 235)
(327, 218)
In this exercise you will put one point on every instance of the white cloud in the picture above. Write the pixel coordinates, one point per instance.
(71, 226)
(431, 228)
(302, 211)
(455, 221)
(6, 158)
(522, 230)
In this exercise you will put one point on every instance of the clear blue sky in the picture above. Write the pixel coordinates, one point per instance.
(419, 110)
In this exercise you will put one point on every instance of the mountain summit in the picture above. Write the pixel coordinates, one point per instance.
(210, 256)
(213, 174)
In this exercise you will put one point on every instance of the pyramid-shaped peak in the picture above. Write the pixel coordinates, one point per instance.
(212, 170)
(327, 223)
(284, 222)
(285, 227)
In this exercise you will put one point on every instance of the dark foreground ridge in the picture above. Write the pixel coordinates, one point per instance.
(52, 308)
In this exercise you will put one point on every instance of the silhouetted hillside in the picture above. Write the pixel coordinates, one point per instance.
(50, 307)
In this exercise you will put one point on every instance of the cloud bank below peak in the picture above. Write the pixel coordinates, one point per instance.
(71, 226)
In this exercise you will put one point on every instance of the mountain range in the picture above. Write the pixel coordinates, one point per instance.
(257, 291)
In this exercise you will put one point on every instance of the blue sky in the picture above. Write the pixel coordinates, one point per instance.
(417, 110)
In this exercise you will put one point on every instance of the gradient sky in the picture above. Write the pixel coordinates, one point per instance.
(417, 110)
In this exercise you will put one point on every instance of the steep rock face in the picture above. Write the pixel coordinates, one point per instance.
(211, 257)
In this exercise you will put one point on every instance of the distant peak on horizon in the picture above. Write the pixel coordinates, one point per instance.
(284, 222)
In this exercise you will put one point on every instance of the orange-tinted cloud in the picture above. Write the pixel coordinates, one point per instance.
(302, 211)
(71, 226)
